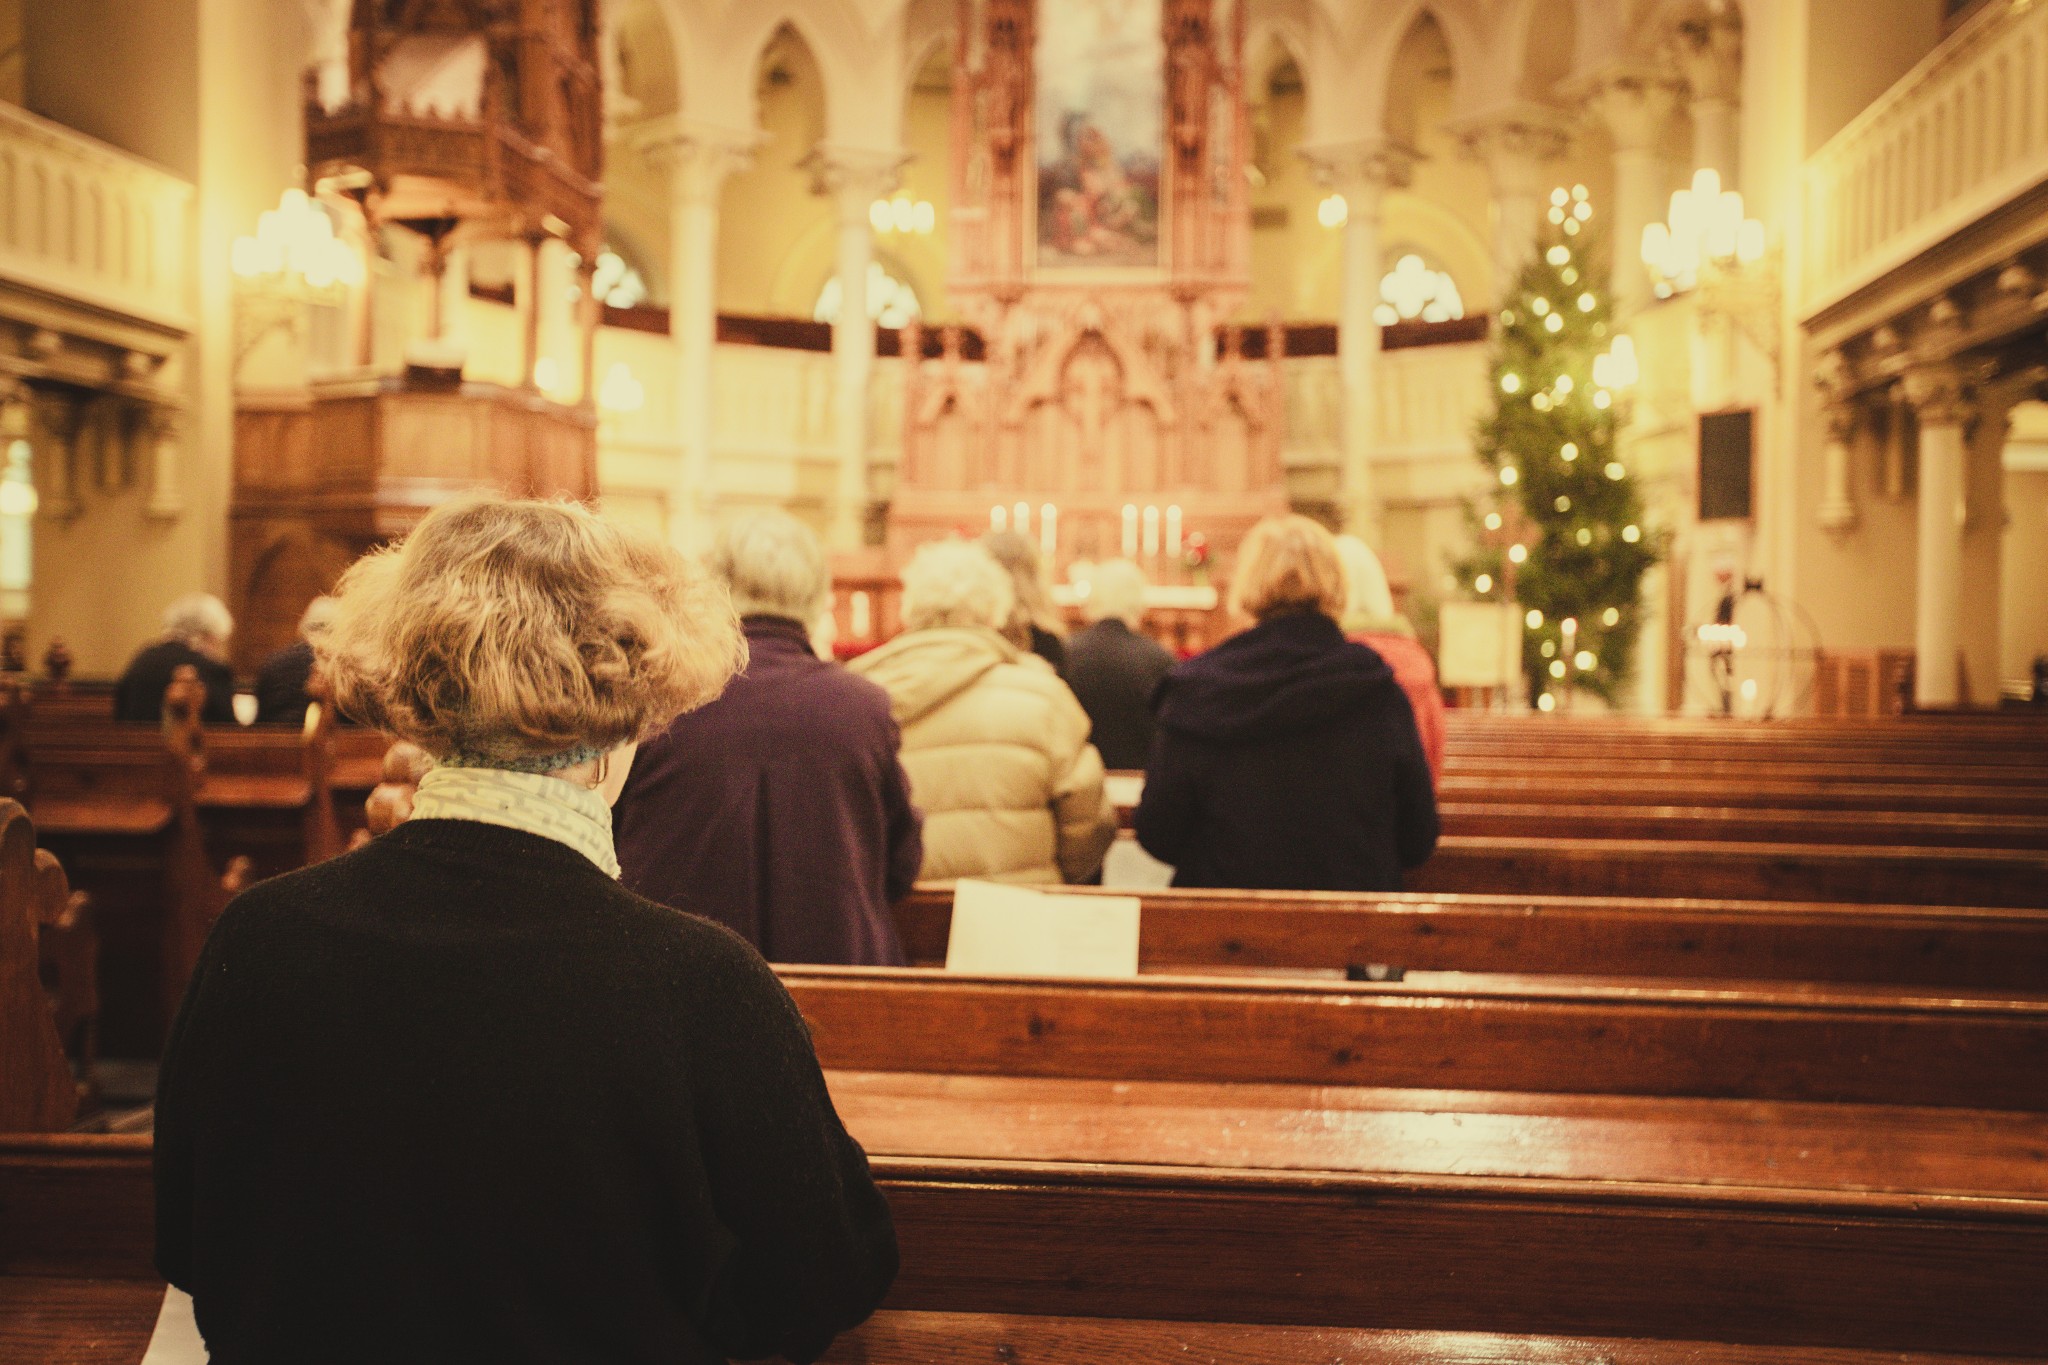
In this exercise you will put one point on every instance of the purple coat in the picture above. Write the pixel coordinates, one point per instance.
(779, 810)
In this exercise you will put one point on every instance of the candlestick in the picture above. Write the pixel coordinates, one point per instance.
(1021, 516)
(1151, 533)
(999, 518)
(860, 615)
(1173, 531)
(1048, 532)
(1130, 541)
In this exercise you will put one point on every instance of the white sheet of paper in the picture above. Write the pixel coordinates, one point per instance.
(1015, 931)
(176, 1340)
(1479, 644)
(1124, 790)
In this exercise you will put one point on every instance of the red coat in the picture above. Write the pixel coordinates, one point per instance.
(1416, 672)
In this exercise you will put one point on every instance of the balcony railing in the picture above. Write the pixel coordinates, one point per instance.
(83, 221)
(1960, 135)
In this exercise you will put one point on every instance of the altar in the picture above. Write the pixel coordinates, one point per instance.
(1101, 233)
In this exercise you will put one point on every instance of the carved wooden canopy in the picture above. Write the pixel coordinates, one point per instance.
(485, 112)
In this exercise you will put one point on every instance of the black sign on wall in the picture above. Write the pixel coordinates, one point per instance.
(1727, 465)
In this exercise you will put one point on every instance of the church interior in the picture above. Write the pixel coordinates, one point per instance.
(1681, 366)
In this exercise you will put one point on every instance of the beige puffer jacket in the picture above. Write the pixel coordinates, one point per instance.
(998, 755)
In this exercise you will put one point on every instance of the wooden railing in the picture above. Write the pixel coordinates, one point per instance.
(1960, 135)
(82, 220)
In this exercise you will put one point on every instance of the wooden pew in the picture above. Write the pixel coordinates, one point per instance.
(1835, 1045)
(37, 1090)
(1251, 931)
(1762, 792)
(1917, 829)
(118, 806)
(1736, 871)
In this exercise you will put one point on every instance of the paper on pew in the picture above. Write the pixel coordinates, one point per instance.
(1124, 790)
(1015, 931)
(176, 1340)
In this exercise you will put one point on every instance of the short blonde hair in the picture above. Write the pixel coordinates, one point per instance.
(774, 566)
(1288, 564)
(199, 616)
(513, 631)
(956, 583)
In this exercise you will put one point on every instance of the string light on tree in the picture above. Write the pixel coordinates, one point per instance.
(1563, 530)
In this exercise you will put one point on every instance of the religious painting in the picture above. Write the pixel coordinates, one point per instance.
(1101, 85)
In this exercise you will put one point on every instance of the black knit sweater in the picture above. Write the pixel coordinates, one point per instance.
(460, 1097)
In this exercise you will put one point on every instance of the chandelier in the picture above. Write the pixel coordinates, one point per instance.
(1706, 229)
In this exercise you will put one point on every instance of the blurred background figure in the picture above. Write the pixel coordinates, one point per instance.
(1287, 756)
(995, 744)
(281, 682)
(197, 629)
(780, 809)
(1114, 668)
(1370, 619)
(1034, 622)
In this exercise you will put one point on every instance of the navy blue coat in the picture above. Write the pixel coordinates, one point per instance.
(780, 810)
(1287, 758)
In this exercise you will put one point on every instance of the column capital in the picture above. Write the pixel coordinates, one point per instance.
(1518, 132)
(1362, 167)
(1707, 46)
(1940, 395)
(855, 176)
(1635, 102)
(698, 155)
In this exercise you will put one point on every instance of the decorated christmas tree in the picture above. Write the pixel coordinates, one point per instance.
(1561, 530)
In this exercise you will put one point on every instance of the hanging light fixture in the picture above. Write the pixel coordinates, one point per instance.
(295, 251)
(1706, 227)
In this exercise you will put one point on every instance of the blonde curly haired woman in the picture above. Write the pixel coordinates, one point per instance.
(458, 1095)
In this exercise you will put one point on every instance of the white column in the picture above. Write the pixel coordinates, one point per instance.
(166, 496)
(1842, 416)
(1943, 403)
(1709, 50)
(1519, 145)
(699, 158)
(855, 177)
(1362, 172)
(1637, 107)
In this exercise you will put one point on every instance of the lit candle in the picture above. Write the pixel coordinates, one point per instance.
(1130, 541)
(1021, 515)
(1173, 531)
(1049, 532)
(999, 518)
(1151, 532)
(860, 615)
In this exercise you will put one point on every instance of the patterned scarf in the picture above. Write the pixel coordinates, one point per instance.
(531, 802)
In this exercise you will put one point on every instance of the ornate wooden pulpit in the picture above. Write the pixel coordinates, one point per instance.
(464, 120)
(1101, 230)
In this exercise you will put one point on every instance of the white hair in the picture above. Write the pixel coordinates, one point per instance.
(318, 617)
(1365, 578)
(955, 583)
(1116, 590)
(198, 616)
(774, 566)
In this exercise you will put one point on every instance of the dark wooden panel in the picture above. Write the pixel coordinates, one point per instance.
(1843, 1045)
(1736, 871)
(1727, 940)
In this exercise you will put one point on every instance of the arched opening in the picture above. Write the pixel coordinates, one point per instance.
(2023, 576)
(775, 235)
(1293, 256)
(1549, 48)
(915, 233)
(1450, 202)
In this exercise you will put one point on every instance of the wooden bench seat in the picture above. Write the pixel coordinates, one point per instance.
(1736, 824)
(1345, 1249)
(1736, 871)
(108, 1322)
(1844, 1045)
(1196, 930)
